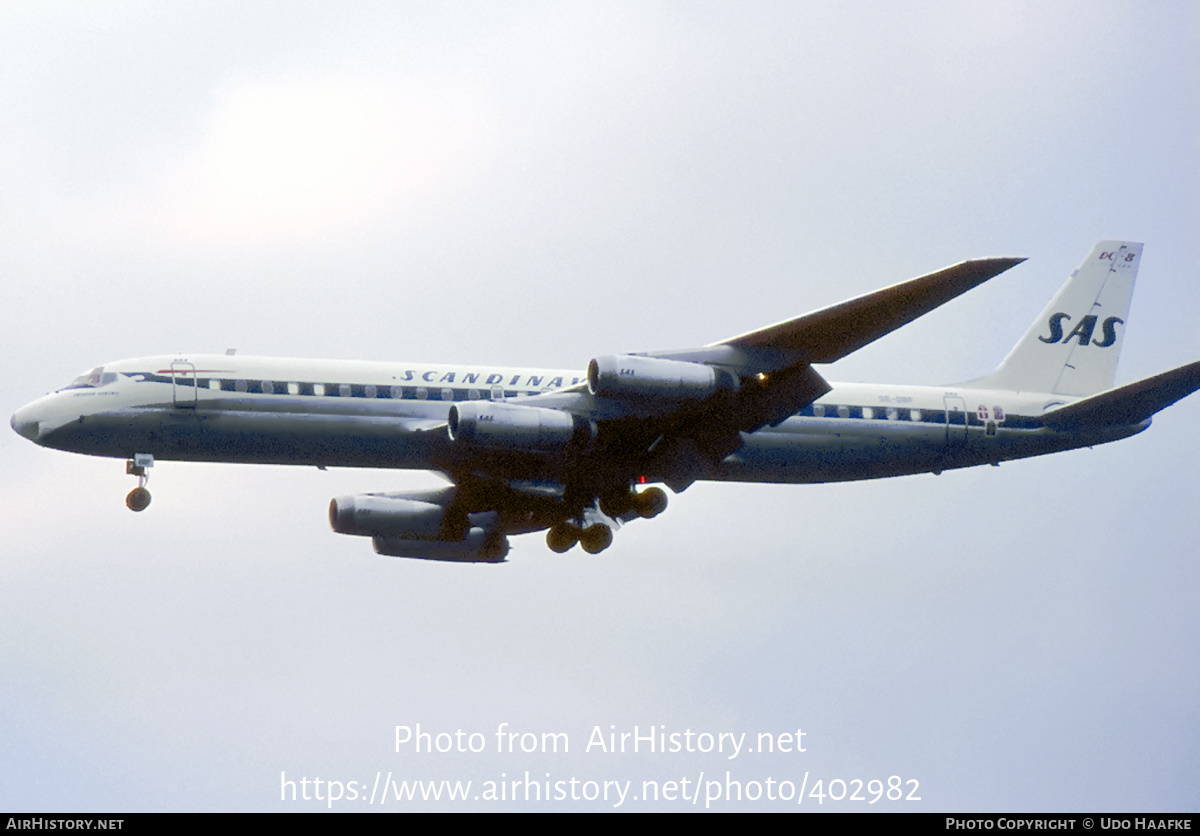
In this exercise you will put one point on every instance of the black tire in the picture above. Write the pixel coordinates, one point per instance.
(651, 502)
(138, 499)
(562, 538)
(596, 538)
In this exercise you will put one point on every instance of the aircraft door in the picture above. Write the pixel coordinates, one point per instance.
(956, 419)
(183, 384)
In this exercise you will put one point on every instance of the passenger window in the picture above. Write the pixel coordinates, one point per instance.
(473, 394)
(370, 391)
(240, 386)
(268, 388)
(293, 388)
(497, 393)
(318, 388)
(893, 413)
(397, 392)
(915, 415)
(447, 394)
(214, 384)
(422, 393)
(843, 411)
(344, 390)
(868, 412)
(818, 410)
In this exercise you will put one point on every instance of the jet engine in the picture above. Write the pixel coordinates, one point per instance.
(479, 546)
(512, 427)
(631, 376)
(369, 514)
(414, 525)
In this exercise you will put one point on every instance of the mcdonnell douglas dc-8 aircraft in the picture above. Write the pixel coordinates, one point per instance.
(531, 450)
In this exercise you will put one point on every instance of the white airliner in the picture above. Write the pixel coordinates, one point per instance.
(529, 450)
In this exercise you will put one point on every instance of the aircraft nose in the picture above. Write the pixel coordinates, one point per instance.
(25, 425)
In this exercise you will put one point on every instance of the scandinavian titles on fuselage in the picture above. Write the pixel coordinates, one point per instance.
(542, 381)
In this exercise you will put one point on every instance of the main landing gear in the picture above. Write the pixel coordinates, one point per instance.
(593, 539)
(138, 499)
(597, 537)
(646, 504)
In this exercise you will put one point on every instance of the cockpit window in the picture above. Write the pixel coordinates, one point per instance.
(94, 379)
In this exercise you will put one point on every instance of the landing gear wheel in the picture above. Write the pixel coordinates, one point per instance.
(138, 499)
(651, 502)
(562, 538)
(596, 538)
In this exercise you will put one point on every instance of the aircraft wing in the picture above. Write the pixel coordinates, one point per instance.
(1131, 404)
(648, 425)
(831, 333)
(566, 460)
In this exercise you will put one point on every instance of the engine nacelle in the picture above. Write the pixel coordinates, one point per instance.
(414, 525)
(479, 546)
(511, 427)
(369, 515)
(633, 376)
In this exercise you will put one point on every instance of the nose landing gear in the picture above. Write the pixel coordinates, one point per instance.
(138, 499)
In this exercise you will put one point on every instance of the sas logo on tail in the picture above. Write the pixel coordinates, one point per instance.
(1083, 330)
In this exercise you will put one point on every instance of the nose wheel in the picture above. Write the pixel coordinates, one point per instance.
(138, 499)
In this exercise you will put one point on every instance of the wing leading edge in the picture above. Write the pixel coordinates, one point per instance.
(831, 333)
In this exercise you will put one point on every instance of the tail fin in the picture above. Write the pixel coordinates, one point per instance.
(1072, 348)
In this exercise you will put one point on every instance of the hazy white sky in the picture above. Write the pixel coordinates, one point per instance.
(537, 184)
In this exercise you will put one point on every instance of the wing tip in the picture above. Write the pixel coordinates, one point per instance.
(1003, 262)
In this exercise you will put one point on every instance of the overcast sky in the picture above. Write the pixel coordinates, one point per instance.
(535, 184)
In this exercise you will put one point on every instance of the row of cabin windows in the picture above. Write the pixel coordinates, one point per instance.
(890, 413)
(895, 413)
(347, 390)
(496, 393)
(983, 416)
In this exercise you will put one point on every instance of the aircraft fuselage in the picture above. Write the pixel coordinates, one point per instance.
(347, 414)
(572, 453)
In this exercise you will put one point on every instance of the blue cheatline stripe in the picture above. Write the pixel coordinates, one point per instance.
(434, 393)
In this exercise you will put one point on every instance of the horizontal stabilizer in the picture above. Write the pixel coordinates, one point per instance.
(1129, 405)
(831, 333)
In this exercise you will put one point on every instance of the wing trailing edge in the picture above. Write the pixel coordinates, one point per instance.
(831, 333)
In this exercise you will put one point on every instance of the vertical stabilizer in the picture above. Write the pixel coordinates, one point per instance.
(1072, 348)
